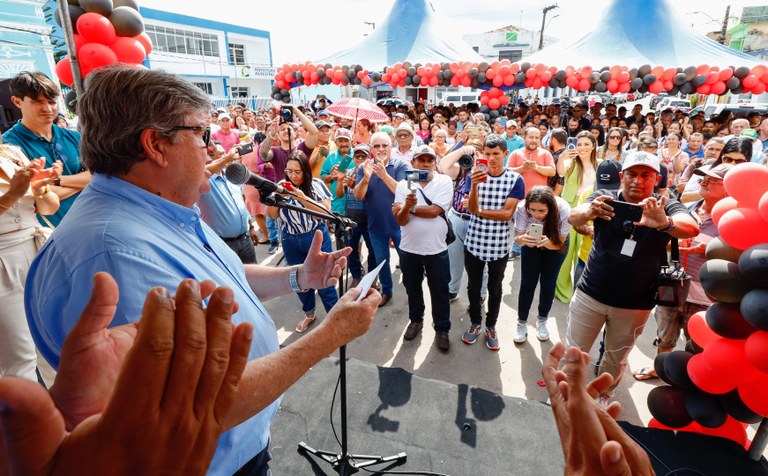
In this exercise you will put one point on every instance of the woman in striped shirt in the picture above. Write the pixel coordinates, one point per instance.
(299, 228)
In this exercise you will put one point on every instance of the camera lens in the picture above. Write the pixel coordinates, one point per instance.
(466, 161)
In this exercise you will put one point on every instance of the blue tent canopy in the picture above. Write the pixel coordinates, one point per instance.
(633, 33)
(412, 32)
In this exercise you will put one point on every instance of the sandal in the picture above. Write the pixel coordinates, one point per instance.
(647, 373)
(305, 323)
(265, 242)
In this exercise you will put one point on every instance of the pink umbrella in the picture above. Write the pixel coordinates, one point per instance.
(356, 108)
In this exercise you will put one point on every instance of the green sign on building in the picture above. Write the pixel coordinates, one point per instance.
(511, 36)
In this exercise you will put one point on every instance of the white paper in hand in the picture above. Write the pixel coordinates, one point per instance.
(367, 281)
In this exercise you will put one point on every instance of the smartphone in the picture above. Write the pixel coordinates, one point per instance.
(570, 143)
(626, 211)
(344, 164)
(536, 231)
(246, 148)
(481, 163)
(413, 176)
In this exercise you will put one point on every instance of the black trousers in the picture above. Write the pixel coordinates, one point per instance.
(243, 247)
(474, 267)
(257, 466)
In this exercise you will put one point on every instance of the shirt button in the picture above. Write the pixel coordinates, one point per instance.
(181, 225)
(17, 220)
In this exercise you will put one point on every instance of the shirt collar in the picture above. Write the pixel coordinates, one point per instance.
(182, 216)
(25, 132)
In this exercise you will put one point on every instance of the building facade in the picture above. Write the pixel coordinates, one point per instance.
(25, 45)
(751, 34)
(510, 42)
(229, 62)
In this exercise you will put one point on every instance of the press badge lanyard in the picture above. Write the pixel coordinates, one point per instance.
(628, 248)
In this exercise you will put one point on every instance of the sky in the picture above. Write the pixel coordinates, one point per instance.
(309, 30)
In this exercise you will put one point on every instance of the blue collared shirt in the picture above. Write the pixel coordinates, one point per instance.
(64, 146)
(143, 241)
(223, 208)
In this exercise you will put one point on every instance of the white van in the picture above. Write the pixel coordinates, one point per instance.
(460, 99)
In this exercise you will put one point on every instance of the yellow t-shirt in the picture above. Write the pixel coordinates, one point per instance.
(586, 241)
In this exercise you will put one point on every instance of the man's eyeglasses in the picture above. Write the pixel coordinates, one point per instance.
(403, 136)
(361, 156)
(710, 181)
(204, 130)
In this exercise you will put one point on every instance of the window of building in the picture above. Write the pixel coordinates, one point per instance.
(239, 91)
(174, 40)
(236, 53)
(206, 87)
(476, 48)
(511, 55)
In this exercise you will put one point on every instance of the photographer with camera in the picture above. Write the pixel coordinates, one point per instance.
(457, 165)
(617, 287)
(278, 156)
(419, 208)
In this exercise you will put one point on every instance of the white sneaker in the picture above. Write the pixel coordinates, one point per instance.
(541, 330)
(521, 335)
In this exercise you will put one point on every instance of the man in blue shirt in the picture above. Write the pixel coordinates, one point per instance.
(223, 208)
(330, 173)
(145, 140)
(514, 141)
(376, 183)
(36, 95)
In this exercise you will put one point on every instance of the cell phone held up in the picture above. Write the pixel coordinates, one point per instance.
(413, 176)
(245, 148)
(536, 231)
(570, 143)
(482, 164)
(625, 211)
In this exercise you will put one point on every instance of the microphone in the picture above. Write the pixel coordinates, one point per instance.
(239, 174)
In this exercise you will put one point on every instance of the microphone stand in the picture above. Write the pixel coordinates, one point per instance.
(343, 463)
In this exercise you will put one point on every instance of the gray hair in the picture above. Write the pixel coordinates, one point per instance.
(120, 102)
(382, 136)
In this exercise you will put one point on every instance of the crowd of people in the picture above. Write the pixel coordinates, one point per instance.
(454, 193)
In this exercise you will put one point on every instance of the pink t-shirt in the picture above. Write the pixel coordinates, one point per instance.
(228, 140)
(531, 177)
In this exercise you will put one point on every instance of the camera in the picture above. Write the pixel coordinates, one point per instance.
(286, 114)
(413, 176)
(466, 161)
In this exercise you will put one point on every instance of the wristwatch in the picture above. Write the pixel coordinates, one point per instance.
(669, 227)
(293, 279)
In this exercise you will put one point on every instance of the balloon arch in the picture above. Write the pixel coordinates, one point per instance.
(499, 76)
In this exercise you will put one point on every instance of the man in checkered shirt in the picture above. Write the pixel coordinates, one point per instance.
(492, 199)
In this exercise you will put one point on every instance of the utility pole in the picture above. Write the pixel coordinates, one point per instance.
(543, 22)
(725, 25)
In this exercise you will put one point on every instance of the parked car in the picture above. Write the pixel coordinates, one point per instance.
(461, 99)
(736, 110)
(656, 98)
(393, 101)
(674, 105)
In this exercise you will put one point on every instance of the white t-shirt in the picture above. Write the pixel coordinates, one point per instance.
(426, 236)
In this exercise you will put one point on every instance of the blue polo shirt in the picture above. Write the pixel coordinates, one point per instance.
(143, 241)
(64, 146)
(338, 205)
(514, 143)
(223, 208)
(379, 199)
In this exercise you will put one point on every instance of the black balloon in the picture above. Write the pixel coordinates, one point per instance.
(447, 75)
(722, 281)
(676, 369)
(475, 83)
(525, 66)
(562, 83)
(127, 21)
(705, 409)
(408, 80)
(407, 64)
(376, 76)
(102, 7)
(679, 79)
(733, 82)
(483, 67)
(636, 83)
(667, 405)
(601, 87)
(594, 78)
(689, 72)
(727, 321)
(70, 101)
(74, 14)
(734, 406)
(633, 73)
(487, 117)
(126, 3)
(686, 88)
(753, 265)
(485, 109)
(643, 70)
(275, 88)
(482, 78)
(643, 89)
(719, 249)
(277, 96)
(560, 74)
(741, 72)
(411, 71)
(284, 92)
(358, 68)
(494, 113)
(351, 73)
(658, 366)
(605, 76)
(738, 89)
(754, 308)
(649, 79)
(698, 80)
(520, 78)
(416, 79)
(473, 73)
(693, 347)
(553, 82)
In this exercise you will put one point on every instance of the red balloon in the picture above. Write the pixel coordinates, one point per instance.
(700, 331)
(433, 81)
(504, 100)
(505, 70)
(747, 183)
(537, 83)
(96, 28)
(624, 87)
(762, 206)
(540, 68)
(759, 70)
(718, 88)
(732, 429)
(498, 81)
(514, 68)
(530, 74)
(584, 84)
(668, 84)
(729, 356)
(623, 77)
(466, 81)
(655, 87)
(750, 81)
(707, 378)
(703, 69)
(128, 50)
(96, 55)
(509, 80)
(494, 103)
(724, 205)
(725, 74)
(572, 81)
(484, 99)
(586, 72)
(454, 81)
(613, 85)
(289, 78)
(494, 93)
(712, 78)
(743, 227)
(756, 350)
(703, 89)
(313, 77)
(758, 88)
(64, 71)
(490, 74)
(281, 84)
(145, 40)
(669, 73)
(79, 42)
(546, 76)
(753, 394)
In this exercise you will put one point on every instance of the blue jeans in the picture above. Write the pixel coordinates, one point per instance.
(295, 249)
(456, 255)
(272, 229)
(437, 268)
(381, 250)
(355, 265)
(540, 266)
